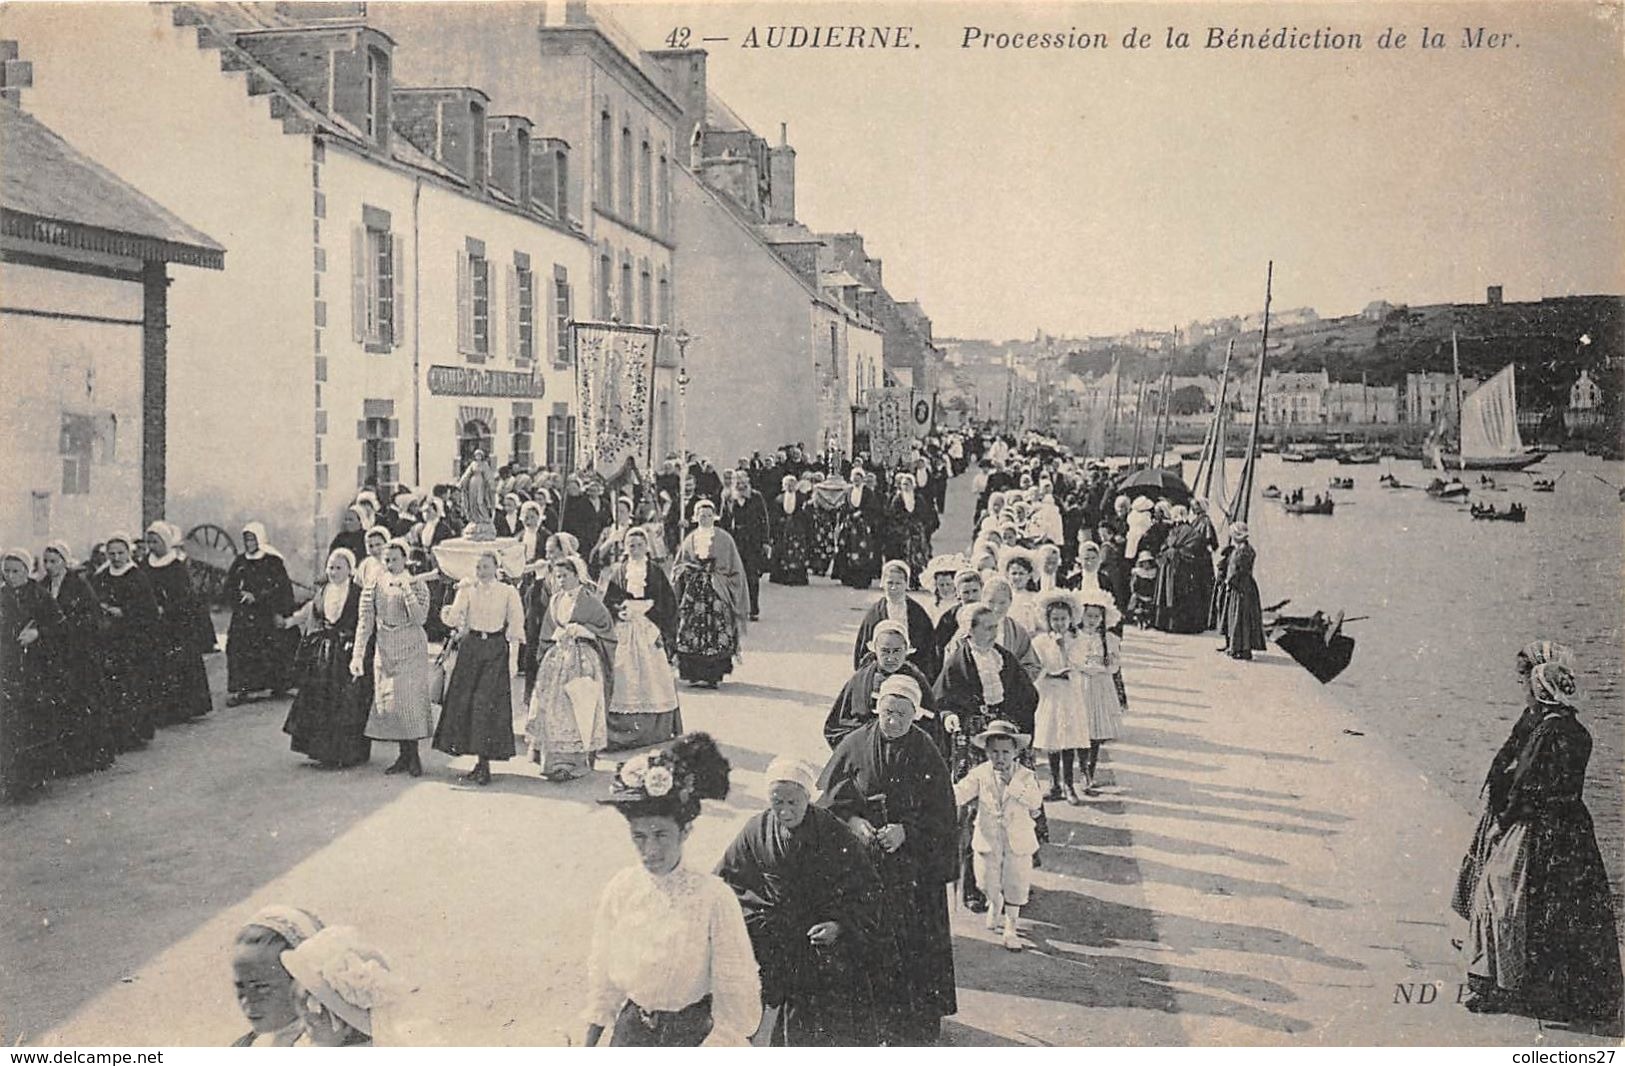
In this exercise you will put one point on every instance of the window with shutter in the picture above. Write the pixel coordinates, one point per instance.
(358, 284)
(525, 313)
(480, 303)
(397, 322)
(465, 304)
(561, 316)
(510, 312)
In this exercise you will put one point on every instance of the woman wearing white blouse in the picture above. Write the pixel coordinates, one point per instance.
(671, 962)
(477, 718)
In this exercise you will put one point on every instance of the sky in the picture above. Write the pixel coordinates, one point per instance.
(1097, 191)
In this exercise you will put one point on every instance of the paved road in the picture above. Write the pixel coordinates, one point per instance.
(1257, 870)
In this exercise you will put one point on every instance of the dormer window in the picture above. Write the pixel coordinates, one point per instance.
(377, 94)
(522, 166)
(481, 163)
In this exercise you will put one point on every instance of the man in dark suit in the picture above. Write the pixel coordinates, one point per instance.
(744, 517)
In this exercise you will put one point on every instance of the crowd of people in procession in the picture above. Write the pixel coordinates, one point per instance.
(827, 920)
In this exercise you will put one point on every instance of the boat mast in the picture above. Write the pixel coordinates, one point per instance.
(1163, 428)
(1245, 490)
(1455, 368)
(1111, 425)
(1139, 409)
(1213, 448)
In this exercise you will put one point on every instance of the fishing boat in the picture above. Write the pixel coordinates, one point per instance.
(1358, 458)
(1340, 482)
(1389, 481)
(1543, 484)
(1486, 436)
(1448, 490)
(1318, 506)
(1316, 642)
(1488, 513)
(1270, 493)
(1292, 455)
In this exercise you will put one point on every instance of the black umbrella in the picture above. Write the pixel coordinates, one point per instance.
(1154, 482)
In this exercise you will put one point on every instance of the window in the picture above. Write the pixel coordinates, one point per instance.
(375, 282)
(523, 427)
(606, 282)
(645, 183)
(377, 118)
(560, 438)
(377, 454)
(474, 436)
(561, 184)
(625, 199)
(646, 295)
(561, 317)
(665, 299)
(482, 144)
(77, 445)
(474, 301)
(525, 283)
(522, 166)
(626, 290)
(606, 160)
(663, 224)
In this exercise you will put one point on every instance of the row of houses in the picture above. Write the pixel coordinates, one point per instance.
(397, 211)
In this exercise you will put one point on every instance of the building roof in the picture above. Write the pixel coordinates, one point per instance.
(722, 118)
(52, 192)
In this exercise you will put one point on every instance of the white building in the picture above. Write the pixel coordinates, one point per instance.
(1430, 396)
(1356, 403)
(1294, 398)
(83, 265)
(397, 271)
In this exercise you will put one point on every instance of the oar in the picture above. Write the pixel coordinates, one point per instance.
(1605, 481)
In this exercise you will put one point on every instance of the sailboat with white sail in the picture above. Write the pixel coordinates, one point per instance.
(1487, 436)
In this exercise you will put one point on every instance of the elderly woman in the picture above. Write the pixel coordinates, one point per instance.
(30, 632)
(813, 906)
(888, 783)
(1533, 888)
(1243, 611)
(351, 534)
(87, 735)
(477, 718)
(671, 963)
(566, 726)
(131, 614)
(824, 505)
(184, 634)
(328, 720)
(390, 631)
(643, 709)
(258, 657)
(713, 600)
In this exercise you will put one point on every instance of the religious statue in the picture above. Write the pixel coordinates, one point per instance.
(478, 486)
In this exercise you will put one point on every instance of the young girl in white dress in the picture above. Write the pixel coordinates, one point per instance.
(1101, 653)
(1061, 726)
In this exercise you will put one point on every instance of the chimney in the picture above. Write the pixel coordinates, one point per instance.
(15, 74)
(781, 179)
(1493, 296)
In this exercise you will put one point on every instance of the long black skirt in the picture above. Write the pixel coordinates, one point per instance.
(180, 685)
(328, 719)
(259, 655)
(477, 718)
(707, 634)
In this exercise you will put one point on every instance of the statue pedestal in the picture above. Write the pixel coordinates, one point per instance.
(457, 557)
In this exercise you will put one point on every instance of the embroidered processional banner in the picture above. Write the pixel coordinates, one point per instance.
(891, 425)
(615, 368)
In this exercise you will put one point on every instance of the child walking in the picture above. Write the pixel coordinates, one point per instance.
(1005, 840)
(1061, 726)
(1101, 655)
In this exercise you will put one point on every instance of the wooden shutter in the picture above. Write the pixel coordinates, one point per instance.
(550, 319)
(465, 303)
(358, 284)
(510, 311)
(398, 312)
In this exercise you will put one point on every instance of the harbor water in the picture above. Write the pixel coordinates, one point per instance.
(1451, 600)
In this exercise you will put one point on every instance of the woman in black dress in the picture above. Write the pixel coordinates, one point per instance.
(1243, 622)
(131, 614)
(328, 719)
(258, 656)
(351, 535)
(1544, 939)
(792, 535)
(86, 727)
(857, 539)
(30, 624)
(184, 634)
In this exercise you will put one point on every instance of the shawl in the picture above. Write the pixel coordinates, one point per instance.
(727, 579)
(959, 688)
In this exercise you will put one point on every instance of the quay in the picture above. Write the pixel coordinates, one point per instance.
(1259, 868)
